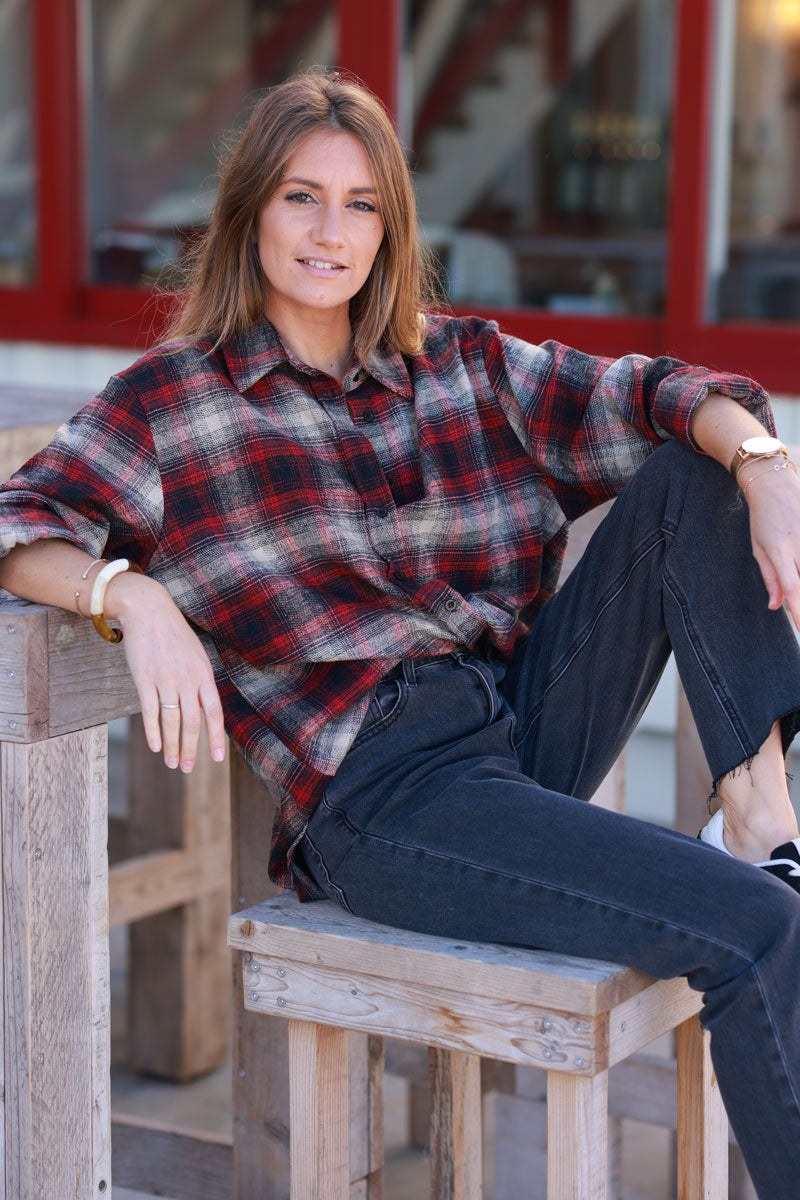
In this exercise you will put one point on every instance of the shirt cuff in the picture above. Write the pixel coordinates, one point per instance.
(680, 392)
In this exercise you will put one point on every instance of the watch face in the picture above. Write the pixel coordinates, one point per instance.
(761, 445)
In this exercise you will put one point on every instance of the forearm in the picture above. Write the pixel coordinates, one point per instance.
(52, 571)
(720, 425)
(48, 571)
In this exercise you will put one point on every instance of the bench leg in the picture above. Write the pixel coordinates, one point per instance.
(577, 1136)
(319, 1128)
(456, 1158)
(702, 1122)
(55, 1122)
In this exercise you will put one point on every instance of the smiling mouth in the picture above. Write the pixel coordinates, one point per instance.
(320, 264)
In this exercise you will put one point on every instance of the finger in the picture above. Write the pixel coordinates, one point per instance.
(150, 712)
(191, 722)
(215, 725)
(790, 583)
(170, 729)
(770, 576)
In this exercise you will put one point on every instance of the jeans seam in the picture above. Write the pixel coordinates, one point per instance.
(493, 705)
(384, 723)
(585, 634)
(561, 891)
(775, 1038)
(334, 887)
(705, 665)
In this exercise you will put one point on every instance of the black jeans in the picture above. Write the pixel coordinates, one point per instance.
(460, 809)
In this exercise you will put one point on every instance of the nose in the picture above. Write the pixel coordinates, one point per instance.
(330, 226)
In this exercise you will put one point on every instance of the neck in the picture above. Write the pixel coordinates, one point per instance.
(322, 339)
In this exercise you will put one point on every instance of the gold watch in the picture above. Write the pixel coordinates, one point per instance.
(754, 448)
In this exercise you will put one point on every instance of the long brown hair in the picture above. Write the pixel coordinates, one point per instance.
(227, 288)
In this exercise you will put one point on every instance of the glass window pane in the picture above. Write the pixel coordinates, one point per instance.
(168, 81)
(754, 212)
(17, 169)
(541, 137)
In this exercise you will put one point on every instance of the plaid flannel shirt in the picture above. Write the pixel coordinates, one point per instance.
(315, 533)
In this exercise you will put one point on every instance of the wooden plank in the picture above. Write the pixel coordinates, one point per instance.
(152, 883)
(168, 1160)
(456, 1020)
(283, 927)
(260, 1042)
(71, 680)
(56, 995)
(638, 1021)
(702, 1122)
(318, 1123)
(577, 1137)
(456, 1151)
(179, 992)
(366, 1062)
(23, 671)
(89, 680)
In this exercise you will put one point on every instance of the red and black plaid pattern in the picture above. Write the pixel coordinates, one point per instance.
(316, 533)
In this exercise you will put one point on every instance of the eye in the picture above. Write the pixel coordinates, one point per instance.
(300, 197)
(364, 206)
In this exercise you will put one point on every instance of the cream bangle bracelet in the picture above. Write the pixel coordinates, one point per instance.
(101, 582)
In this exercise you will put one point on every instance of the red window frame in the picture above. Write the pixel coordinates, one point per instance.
(59, 306)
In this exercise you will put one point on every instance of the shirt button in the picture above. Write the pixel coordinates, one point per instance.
(381, 512)
(398, 575)
(368, 416)
(451, 605)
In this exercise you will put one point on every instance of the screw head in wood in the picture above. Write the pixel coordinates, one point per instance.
(579, 1062)
(281, 1002)
(12, 724)
(11, 628)
(281, 972)
(547, 1023)
(254, 995)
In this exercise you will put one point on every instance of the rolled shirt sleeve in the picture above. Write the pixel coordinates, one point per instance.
(589, 422)
(97, 484)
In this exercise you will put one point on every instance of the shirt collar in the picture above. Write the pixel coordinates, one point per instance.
(253, 353)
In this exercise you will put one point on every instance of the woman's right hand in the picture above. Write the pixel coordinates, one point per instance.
(169, 667)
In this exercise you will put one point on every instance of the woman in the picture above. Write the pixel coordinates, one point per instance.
(350, 518)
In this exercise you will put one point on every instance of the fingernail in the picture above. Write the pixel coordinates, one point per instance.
(154, 745)
(186, 766)
(172, 762)
(219, 754)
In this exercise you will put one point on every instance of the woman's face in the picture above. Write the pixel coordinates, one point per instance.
(320, 231)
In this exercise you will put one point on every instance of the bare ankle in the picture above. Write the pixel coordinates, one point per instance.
(753, 836)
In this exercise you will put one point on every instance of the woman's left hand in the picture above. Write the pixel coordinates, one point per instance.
(774, 501)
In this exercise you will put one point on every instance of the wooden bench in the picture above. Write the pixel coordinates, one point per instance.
(327, 972)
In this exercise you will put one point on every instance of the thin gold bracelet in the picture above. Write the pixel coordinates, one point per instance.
(777, 467)
(85, 574)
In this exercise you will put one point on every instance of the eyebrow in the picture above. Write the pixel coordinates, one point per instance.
(320, 187)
